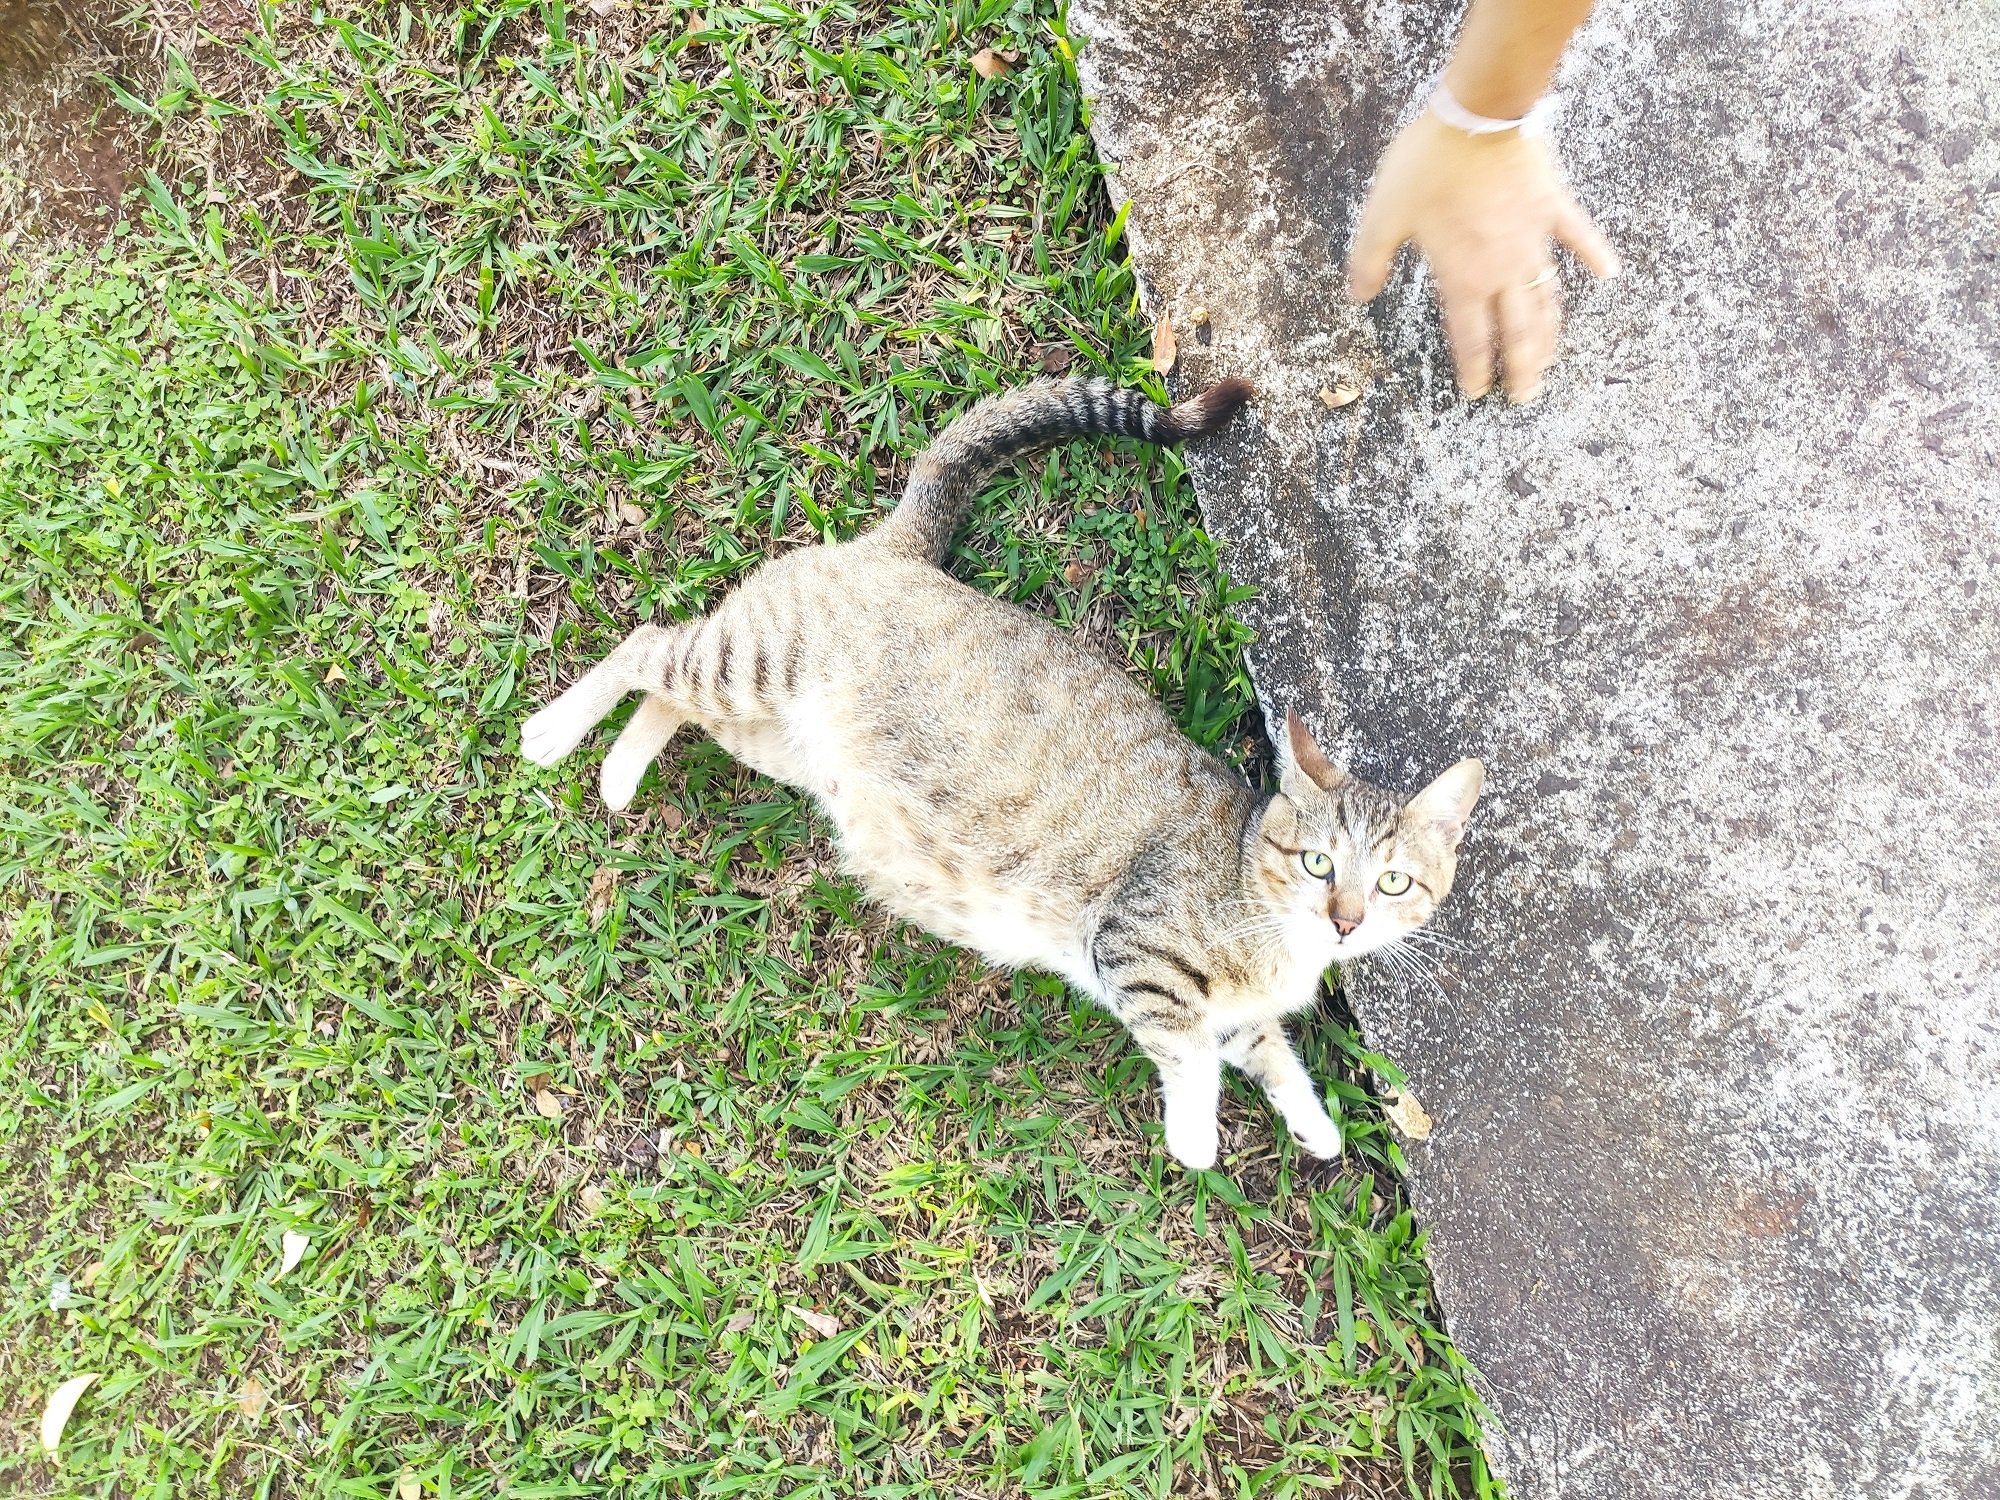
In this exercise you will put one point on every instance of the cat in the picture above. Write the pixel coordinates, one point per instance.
(1009, 788)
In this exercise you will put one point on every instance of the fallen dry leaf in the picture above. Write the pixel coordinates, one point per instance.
(294, 1251)
(739, 1320)
(1078, 573)
(334, 674)
(630, 514)
(672, 819)
(1407, 1115)
(990, 64)
(591, 1199)
(252, 1398)
(407, 1487)
(547, 1105)
(1339, 395)
(602, 885)
(1057, 359)
(603, 7)
(1165, 349)
(62, 1401)
(818, 1322)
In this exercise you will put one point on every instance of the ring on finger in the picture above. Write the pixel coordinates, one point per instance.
(1548, 275)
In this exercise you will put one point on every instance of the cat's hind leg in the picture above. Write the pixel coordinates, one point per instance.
(634, 666)
(1263, 1055)
(644, 736)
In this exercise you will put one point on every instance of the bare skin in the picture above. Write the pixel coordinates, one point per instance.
(1485, 209)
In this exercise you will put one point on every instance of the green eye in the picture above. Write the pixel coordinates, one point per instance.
(1318, 863)
(1393, 883)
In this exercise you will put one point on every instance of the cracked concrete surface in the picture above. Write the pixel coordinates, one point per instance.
(1715, 1181)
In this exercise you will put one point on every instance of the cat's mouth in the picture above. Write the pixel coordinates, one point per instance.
(1349, 945)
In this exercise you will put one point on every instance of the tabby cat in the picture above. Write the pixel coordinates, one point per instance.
(1012, 790)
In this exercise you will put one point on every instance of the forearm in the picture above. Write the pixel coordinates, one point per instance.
(1508, 51)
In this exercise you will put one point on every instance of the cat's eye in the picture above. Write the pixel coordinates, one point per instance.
(1318, 863)
(1393, 883)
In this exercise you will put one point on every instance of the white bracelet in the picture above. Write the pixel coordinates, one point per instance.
(1458, 117)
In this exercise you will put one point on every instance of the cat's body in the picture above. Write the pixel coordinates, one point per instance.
(1011, 790)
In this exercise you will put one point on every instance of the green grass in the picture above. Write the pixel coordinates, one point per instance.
(448, 345)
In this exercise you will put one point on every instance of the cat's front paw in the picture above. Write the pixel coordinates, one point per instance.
(1192, 1140)
(624, 768)
(1316, 1131)
(551, 734)
(1317, 1137)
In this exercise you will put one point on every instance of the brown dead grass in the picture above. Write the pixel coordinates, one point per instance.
(68, 152)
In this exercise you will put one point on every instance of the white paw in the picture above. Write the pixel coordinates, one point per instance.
(1192, 1139)
(553, 733)
(1318, 1133)
(638, 745)
(624, 768)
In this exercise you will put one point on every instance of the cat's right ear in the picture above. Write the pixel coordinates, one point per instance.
(1302, 765)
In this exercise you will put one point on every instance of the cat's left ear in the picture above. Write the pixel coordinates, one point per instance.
(1300, 760)
(1442, 807)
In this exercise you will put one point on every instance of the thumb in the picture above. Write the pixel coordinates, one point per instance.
(1376, 241)
(1574, 229)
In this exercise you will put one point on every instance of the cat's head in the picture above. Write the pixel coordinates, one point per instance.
(1346, 867)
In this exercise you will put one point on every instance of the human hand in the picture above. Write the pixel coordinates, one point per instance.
(1482, 210)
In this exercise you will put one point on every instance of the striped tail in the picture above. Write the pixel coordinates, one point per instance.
(949, 472)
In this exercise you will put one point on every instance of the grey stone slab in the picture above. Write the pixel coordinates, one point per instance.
(1715, 1181)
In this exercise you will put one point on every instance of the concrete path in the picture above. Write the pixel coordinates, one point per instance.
(1715, 1179)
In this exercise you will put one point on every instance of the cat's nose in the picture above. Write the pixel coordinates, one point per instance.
(1345, 925)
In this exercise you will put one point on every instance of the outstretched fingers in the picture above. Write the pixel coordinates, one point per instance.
(1528, 315)
(1376, 240)
(1468, 327)
(1574, 229)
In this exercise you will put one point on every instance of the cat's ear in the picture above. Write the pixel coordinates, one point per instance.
(1301, 757)
(1442, 807)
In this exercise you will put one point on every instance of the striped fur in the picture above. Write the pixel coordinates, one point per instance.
(947, 475)
(1013, 791)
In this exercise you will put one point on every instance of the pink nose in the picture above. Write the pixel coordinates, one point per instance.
(1345, 925)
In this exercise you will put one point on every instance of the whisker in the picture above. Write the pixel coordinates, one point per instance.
(1407, 964)
(1268, 923)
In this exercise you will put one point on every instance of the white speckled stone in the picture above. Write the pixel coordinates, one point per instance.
(1715, 1181)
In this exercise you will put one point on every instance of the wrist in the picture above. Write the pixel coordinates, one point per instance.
(1449, 108)
(1498, 93)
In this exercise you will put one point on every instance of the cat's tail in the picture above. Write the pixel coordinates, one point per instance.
(948, 473)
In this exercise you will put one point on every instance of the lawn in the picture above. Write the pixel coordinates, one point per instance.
(616, 1154)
